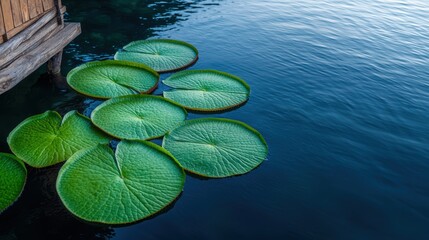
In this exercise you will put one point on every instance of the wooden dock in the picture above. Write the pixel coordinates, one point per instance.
(32, 32)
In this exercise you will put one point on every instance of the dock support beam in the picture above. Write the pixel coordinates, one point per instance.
(34, 52)
(54, 71)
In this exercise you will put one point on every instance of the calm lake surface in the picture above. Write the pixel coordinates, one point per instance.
(340, 91)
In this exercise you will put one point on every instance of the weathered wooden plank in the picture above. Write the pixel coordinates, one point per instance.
(16, 13)
(24, 10)
(33, 34)
(48, 4)
(15, 52)
(2, 28)
(32, 8)
(17, 30)
(7, 14)
(27, 63)
(39, 6)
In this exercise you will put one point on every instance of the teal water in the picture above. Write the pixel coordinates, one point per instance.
(340, 90)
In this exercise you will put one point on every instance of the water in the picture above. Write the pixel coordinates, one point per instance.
(340, 90)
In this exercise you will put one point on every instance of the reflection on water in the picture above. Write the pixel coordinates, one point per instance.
(107, 26)
(340, 91)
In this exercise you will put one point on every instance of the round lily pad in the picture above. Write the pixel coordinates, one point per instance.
(46, 139)
(207, 90)
(216, 147)
(137, 181)
(163, 55)
(138, 116)
(13, 175)
(107, 79)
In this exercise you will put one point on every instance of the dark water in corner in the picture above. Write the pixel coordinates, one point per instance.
(340, 90)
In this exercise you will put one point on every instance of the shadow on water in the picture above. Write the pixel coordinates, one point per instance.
(106, 26)
(39, 213)
(109, 25)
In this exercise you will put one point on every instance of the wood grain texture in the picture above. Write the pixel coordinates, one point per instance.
(24, 10)
(39, 6)
(47, 5)
(15, 31)
(31, 35)
(15, 51)
(2, 27)
(32, 8)
(7, 14)
(16, 13)
(26, 64)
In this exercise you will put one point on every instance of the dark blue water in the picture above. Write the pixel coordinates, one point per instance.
(340, 90)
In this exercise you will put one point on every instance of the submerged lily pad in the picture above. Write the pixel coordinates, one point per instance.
(137, 181)
(46, 139)
(216, 147)
(13, 175)
(138, 116)
(107, 79)
(163, 55)
(207, 90)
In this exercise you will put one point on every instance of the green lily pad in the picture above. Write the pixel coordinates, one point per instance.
(216, 147)
(206, 90)
(107, 79)
(13, 175)
(137, 181)
(138, 116)
(46, 139)
(163, 55)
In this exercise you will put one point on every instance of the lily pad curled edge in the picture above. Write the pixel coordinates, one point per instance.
(47, 139)
(216, 147)
(13, 176)
(207, 90)
(141, 117)
(159, 54)
(135, 182)
(109, 78)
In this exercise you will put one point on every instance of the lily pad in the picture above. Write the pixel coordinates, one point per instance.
(46, 139)
(138, 116)
(207, 90)
(137, 181)
(13, 175)
(107, 79)
(216, 147)
(163, 55)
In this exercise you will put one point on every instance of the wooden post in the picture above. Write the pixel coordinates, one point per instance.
(60, 17)
(54, 64)
(54, 71)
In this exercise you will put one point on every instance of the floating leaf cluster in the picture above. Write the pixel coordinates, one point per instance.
(138, 178)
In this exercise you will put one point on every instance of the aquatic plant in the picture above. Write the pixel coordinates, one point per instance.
(138, 116)
(138, 178)
(135, 182)
(107, 79)
(206, 90)
(216, 147)
(163, 55)
(13, 175)
(47, 139)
